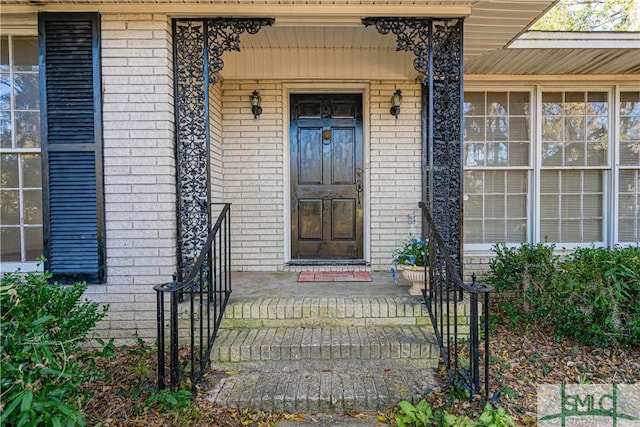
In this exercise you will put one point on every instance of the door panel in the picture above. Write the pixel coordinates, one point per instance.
(343, 156)
(343, 214)
(310, 220)
(310, 142)
(326, 177)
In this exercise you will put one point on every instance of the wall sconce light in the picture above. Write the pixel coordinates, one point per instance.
(396, 101)
(255, 99)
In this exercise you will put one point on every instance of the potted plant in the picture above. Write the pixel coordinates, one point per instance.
(411, 258)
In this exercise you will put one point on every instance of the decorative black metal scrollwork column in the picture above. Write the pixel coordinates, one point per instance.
(445, 123)
(437, 46)
(198, 47)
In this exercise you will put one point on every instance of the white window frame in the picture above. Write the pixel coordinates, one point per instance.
(13, 266)
(618, 89)
(607, 175)
(530, 169)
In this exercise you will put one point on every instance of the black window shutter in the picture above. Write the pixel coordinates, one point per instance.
(71, 138)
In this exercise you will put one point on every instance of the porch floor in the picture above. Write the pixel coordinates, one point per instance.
(286, 285)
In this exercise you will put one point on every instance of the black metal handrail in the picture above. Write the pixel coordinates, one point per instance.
(202, 298)
(442, 295)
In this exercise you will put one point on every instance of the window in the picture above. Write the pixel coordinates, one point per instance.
(581, 187)
(20, 163)
(629, 169)
(497, 140)
(575, 141)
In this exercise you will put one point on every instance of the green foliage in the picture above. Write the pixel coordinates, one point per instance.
(423, 414)
(167, 400)
(518, 268)
(595, 297)
(42, 328)
(591, 15)
(418, 416)
(591, 295)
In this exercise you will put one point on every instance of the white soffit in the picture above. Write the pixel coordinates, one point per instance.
(562, 53)
(328, 24)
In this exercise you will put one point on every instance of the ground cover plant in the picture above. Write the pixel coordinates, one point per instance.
(524, 356)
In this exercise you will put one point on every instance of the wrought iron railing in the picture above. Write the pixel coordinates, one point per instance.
(450, 302)
(196, 305)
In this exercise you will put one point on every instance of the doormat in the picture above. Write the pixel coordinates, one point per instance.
(334, 276)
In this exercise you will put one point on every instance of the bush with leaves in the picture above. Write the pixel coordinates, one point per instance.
(591, 295)
(594, 298)
(42, 328)
(525, 271)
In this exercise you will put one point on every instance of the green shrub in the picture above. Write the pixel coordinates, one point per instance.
(42, 328)
(523, 271)
(522, 267)
(595, 297)
(591, 295)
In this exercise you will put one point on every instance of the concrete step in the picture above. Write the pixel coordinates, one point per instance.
(329, 387)
(255, 346)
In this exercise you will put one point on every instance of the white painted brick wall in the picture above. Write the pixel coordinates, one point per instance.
(215, 131)
(253, 169)
(253, 174)
(395, 156)
(139, 170)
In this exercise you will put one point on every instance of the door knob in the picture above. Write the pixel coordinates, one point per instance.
(358, 171)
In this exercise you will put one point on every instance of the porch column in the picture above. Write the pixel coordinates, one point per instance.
(198, 47)
(437, 46)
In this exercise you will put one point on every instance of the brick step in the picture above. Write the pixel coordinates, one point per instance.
(343, 311)
(336, 386)
(311, 312)
(255, 346)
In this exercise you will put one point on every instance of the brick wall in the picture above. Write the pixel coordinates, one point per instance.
(253, 163)
(253, 174)
(253, 171)
(139, 169)
(395, 174)
(215, 131)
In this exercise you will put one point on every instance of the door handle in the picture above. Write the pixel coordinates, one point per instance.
(359, 172)
(359, 190)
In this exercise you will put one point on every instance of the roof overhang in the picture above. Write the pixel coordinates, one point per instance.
(489, 24)
(563, 53)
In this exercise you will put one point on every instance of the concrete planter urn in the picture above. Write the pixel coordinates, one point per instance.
(415, 275)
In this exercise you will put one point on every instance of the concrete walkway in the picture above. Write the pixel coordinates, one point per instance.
(324, 420)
